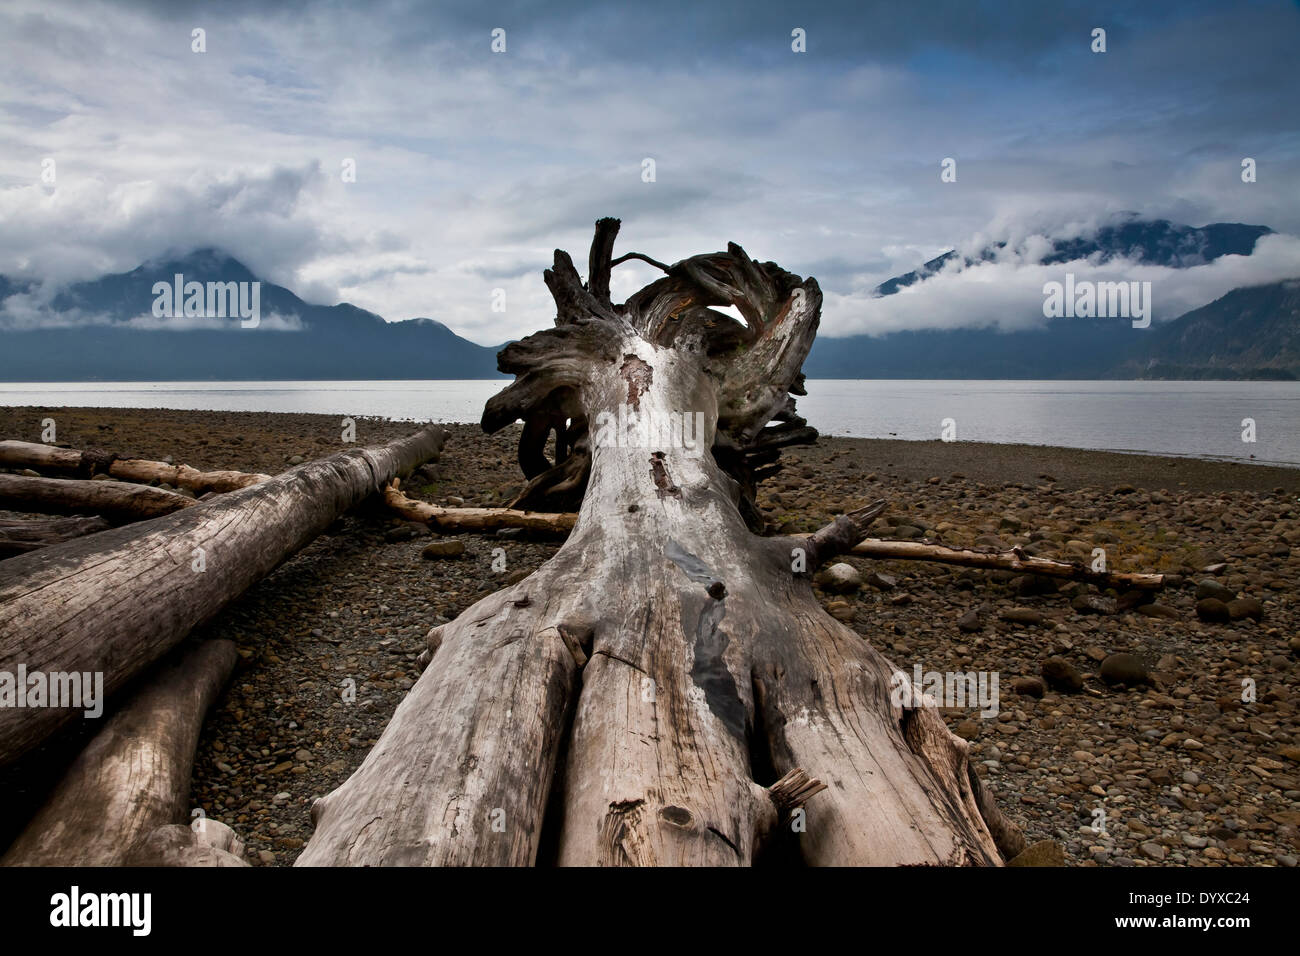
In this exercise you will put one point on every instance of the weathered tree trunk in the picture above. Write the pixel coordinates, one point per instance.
(83, 464)
(116, 601)
(119, 500)
(18, 536)
(655, 693)
(134, 776)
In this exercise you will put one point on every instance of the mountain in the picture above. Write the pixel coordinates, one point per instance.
(1252, 332)
(1152, 241)
(1062, 348)
(106, 330)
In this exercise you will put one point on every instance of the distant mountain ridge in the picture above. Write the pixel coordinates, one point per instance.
(1190, 346)
(1153, 241)
(105, 331)
(1251, 332)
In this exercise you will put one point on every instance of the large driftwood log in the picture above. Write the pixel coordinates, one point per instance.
(116, 601)
(83, 464)
(118, 500)
(134, 776)
(657, 692)
(18, 535)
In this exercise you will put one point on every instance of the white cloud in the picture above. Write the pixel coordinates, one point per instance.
(1008, 293)
(472, 167)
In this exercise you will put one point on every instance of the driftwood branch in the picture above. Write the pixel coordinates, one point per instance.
(1011, 560)
(644, 258)
(204, 843)
(474, 519)
(842, 534)
(84, 464)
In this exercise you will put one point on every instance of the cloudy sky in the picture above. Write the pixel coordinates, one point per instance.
(472, 165)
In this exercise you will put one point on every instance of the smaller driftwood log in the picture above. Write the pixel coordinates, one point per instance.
(68, 462)
(134, 776)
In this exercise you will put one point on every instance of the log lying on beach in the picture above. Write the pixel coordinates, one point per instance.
(474, 519)
(667, 688)
(183, 476)
(116, 601)
(119, 500)
(18, 536)
(1010, 560)
(134, 776)
(52, 458)
(84, 464)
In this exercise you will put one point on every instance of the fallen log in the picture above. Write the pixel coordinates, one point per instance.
(84, 464)
(63, 461)
(116, 601)
(18, 536)
(134, 776)
(474, 519)
(183, 476)
(1013, 559)
(118, 500)
(667, 689)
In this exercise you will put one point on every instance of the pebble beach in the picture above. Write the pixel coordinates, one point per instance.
(1131, 729)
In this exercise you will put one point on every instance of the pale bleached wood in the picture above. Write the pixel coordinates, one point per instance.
(118, 500)
(678, 662)
(1010, 560)
(117, 601)
(134, 775)
(473, 519)
(203, 843)
(70, 462)
(183, 476)
(26, 454)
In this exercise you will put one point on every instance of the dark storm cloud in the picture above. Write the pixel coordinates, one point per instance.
(473, 166)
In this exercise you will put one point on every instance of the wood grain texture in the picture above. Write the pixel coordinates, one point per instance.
(667, 689)
(116, 601)
(454, 520)
(84, 464)
(19, 535)
(119, 500)
(134, 776)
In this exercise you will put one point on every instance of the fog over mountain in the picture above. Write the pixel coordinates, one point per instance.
(119, 144)
(110, 328)
(107, 330)
(978, 312)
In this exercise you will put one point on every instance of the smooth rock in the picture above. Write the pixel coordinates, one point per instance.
(1124, 669)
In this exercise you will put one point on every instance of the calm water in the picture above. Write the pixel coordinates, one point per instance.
(1200, 419)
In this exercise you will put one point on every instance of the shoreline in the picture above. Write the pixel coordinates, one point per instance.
(84, 427)
(1186, 773)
